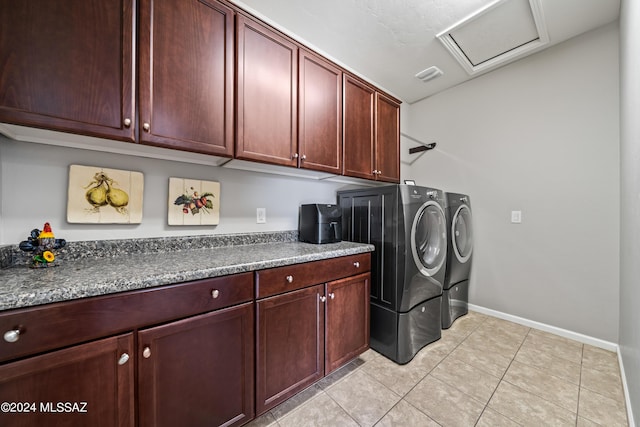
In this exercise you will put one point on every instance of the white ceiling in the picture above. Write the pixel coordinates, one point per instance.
(389, 41)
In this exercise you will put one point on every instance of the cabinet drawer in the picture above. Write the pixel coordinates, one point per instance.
(291, 277)
(62, 324)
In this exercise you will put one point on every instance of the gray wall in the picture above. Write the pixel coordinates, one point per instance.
(34, 180)
(540, 135)
(630, 198)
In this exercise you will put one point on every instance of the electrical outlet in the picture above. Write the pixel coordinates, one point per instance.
(516, 217)
(261, 216)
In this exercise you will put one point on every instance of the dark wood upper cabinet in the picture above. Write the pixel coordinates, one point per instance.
(266, 110)
(198, 371)
(187, 75)
(387, 138)
(358, 125)
(100, 374)
(319, 114)
(68, 66)
(371, 126)
(210, 79)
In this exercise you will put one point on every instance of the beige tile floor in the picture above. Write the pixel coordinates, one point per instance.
(484, 372)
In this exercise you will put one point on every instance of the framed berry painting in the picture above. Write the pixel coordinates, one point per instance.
(99, 195)
(193, 202)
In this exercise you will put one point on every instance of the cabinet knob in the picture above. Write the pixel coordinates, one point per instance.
(323, 298)
(127, 122)
(146, 126)
(123, 359)
(295, 155)
(356, 264)
(146, 353)
(375, 172)
(332, 295)
(215, 293)
(12, 335)
(289, 279)
(303, 157)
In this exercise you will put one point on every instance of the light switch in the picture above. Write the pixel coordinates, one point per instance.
(516, 217)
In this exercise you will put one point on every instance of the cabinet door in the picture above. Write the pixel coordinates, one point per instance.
(186, 75)
(59, 72)
(387, 139)
(267, 94)
(358, 121)
(198, 371)
(347, 333)
(290, 345)
(86, 385)
(320, 114)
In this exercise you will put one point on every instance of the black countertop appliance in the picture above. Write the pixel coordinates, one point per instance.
(320, 223)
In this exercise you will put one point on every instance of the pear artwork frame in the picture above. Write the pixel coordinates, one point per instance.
(98, 195)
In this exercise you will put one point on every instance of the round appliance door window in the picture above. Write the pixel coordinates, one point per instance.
(462, 233)
(429, 238)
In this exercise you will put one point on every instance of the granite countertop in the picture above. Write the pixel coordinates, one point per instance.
(21, 286)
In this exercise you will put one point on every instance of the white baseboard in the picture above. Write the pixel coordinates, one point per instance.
(585, 339)
(626, 391)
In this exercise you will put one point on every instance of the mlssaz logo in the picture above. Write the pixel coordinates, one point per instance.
(80, 407)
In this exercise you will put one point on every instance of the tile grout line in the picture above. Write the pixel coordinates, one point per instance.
(545, 398)
(438, 364)
(445, 356)
(582, 367)
(501, 380)
(456, 340)
(372, 378)
(325, 391)
(580, 385)
(402, 398)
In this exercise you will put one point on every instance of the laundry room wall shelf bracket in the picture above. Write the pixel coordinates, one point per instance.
(421, 148)
(410, 154)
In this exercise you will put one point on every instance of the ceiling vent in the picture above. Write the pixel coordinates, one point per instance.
(497, 34)
(429, 73)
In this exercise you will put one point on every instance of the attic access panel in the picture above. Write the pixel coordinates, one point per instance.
(500, 33)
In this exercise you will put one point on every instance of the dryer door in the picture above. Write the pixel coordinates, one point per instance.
(429, 238)
(462, 233)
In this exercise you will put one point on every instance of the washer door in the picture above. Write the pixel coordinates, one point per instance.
(462, 233)
(429, 238)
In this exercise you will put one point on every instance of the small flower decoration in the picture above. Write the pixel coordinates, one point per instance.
(43, 245)
(48, 256)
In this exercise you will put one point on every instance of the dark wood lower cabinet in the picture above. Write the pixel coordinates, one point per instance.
(347, 320)
(308, 331)
(213, 352)
(198, 371)
(289, 355)
(85, 385)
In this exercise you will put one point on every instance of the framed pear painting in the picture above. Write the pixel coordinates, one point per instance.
(104, 196)
(193, 202)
